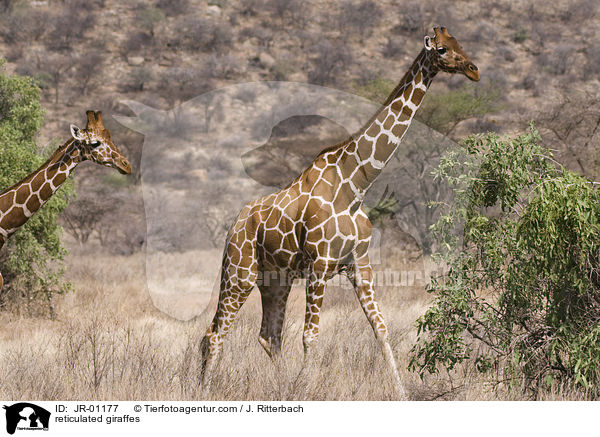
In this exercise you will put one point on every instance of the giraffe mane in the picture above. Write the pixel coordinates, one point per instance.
(407, 77)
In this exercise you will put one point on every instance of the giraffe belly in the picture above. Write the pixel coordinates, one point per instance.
(287, 257)
(282, 255)
(294, 235)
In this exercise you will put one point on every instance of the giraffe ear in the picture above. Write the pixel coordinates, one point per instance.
(75, 132)
(427, 43)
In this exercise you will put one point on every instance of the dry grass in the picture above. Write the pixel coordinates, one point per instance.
(110, 342)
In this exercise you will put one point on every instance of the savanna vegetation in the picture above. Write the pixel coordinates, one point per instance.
(520, 298)
(31, 259)
(506, 226)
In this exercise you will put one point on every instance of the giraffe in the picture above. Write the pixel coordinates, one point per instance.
(316, 227)
(19, 202)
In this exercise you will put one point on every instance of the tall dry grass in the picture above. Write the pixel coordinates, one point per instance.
(110, 342)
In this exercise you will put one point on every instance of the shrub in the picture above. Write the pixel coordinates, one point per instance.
(180, 84)
(394, 48)
(592, 61)
(22, 25)
(246, 94)
(202, 34)
(282, 70)
(30, 259)
(54, 67)
(520, 36)
(250, 7)
(87, 69)
(528, 83)
(374, 87)
(222, 67)
(579, 11)
(68, 26)
(414, 189)
(7, 5)
(264, 35)
(14, 53)
(83, 216)
(173, 8)
(522, 290)
(136, 41)
(148, 18)
(569, 126)
(292, 12)
(412, 19)
(443, 112)
(557, 61)
(333, 59)
(506, 53)
(138, 79)
(30, 66)
(359, 18)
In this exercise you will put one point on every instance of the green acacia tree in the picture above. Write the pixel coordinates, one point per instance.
(521, 296)
(31, 258)
(444, 111)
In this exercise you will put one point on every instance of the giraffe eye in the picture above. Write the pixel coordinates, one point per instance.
(442, 50)
(95, 144)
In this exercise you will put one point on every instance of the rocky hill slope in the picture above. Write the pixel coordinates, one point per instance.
(538, 61)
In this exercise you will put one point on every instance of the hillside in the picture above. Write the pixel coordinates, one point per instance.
(539, 58)
(181, 72)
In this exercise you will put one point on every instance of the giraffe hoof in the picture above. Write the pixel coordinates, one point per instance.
(266, 346)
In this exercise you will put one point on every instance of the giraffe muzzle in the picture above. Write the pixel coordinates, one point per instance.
(123, 166)
(472, 72)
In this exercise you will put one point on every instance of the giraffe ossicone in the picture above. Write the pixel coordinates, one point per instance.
(19, 202)
(316, 227)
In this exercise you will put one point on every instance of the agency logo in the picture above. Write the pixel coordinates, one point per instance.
(26, 416)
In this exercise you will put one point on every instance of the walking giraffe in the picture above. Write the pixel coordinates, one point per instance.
(316, 226)
(19, 202)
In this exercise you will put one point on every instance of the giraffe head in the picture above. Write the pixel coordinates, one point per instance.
(95, 144)
(447, 54)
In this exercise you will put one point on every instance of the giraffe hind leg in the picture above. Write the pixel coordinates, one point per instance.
(237, 281)
(212, 343)
(274, 297)
(315, 288)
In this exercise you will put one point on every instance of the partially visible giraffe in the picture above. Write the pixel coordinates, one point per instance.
(316, 226)
(19, 202)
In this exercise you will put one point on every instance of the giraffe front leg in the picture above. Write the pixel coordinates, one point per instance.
(362, 278)
(315, 288)
(1, 282)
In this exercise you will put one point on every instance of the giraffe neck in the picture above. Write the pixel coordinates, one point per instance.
(19, 202)
(364, 157)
